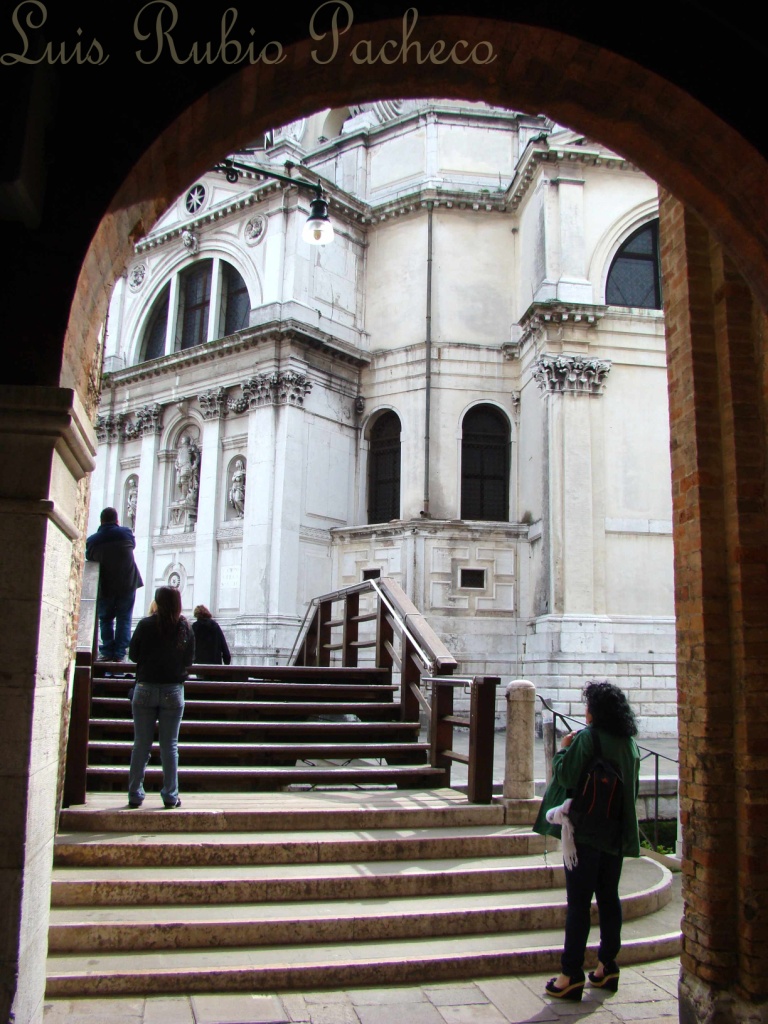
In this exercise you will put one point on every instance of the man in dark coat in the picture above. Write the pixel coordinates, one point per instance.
(112, 547)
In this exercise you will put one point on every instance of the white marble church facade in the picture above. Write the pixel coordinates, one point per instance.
(466, 390)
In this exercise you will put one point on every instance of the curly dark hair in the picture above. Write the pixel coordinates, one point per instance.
(609, 708)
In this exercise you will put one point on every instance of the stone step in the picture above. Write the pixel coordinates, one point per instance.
(212, 848)
(646, 886)
(317, 810)
(257, 883)
(340, 965)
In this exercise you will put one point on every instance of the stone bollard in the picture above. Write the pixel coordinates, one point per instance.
(521, 805)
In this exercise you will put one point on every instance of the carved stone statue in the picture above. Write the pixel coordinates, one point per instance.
(237, 489)
(188, 471)
(131, 501)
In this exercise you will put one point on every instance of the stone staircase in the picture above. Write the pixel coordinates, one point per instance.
(248, 728)
(336, 888)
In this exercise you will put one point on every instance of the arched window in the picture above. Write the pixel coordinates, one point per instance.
(485, 465)
(157, 327)
(384, 469)
(193, 320)
(635, 275)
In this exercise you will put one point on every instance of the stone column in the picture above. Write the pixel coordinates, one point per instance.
(716, 338)
(47, 448)
(148, 507)
(208, 511)
(520, 802)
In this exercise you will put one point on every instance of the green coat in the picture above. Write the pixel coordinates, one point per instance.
(567, 766)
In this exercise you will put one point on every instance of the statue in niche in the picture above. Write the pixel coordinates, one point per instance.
(237, 489)
(188, 471)
(131, 501)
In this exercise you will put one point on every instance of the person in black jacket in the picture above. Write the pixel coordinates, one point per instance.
(163, 647)
(112, 546)
(210, 643)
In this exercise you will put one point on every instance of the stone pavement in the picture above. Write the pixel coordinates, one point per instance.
(647, 993)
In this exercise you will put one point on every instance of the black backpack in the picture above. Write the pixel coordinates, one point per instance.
(597, 803)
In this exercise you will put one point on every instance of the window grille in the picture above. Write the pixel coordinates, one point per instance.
(635, 275)
(485, 465)
(384, 469)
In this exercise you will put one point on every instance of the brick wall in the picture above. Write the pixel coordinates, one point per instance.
(717, 413)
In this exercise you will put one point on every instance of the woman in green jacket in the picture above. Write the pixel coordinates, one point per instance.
(599, 857)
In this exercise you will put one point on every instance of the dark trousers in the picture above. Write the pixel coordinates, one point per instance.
(114, 614)
(598, 874)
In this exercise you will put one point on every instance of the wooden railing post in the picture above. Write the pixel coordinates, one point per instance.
(325, 616)
(350, 637)
(441, 728)
(482, 722)
(410, 675)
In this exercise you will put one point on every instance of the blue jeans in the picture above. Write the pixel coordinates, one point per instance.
(597, 874)
(163, 704)
(114, 614)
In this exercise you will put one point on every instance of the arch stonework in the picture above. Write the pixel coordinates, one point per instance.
(715, 258)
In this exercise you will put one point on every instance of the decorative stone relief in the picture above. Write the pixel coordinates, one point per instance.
(286, 388)
(291, 387)
(190, 241)
(121, 427)
(359, 405)
(236, 493)
(137, 276)
(131, 501)
(255, 229)
(213, 404)
(571, 374)
(150, 419)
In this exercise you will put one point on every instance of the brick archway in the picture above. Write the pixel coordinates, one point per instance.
(715, 239)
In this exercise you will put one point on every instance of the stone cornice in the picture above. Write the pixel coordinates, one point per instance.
(290, 330)
(541, 315)
(539, 152)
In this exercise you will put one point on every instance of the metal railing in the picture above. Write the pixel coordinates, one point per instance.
(646, 752)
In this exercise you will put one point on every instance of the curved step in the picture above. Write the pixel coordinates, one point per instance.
(396, 961)
(204, 848)
(646, 887)
(258, 883)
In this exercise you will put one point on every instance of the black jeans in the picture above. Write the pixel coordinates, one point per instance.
(598, 874)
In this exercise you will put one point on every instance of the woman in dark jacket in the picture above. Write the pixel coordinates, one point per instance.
(210, 643)
(599, 857)
(163, 647)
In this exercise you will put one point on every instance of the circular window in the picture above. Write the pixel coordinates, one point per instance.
(195, 198)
